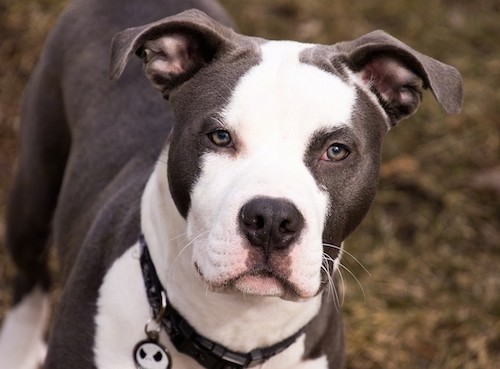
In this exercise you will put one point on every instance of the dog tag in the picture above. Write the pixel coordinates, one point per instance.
(149, 354)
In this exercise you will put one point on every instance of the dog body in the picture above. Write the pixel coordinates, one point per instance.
(271, 160)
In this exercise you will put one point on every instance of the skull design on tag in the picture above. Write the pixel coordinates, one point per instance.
(151, 355)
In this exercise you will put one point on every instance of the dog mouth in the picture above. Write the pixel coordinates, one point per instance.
(261, 281)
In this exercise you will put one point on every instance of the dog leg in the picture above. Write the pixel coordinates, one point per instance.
(44, 148)
(21, 339)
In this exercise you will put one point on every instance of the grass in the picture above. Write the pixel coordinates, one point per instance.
(431, 241)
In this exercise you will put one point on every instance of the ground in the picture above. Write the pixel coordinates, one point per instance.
(422, 281)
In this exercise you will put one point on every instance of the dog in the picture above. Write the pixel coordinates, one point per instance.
(202, 233)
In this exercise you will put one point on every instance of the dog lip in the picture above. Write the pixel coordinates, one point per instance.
(263, 272)
(288, 290)
(263, 284)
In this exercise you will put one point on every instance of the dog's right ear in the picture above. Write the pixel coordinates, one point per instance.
(172, 49)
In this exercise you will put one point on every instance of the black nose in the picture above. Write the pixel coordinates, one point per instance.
(270, 223)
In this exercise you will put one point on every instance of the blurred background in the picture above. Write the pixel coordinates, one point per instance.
(422, 280)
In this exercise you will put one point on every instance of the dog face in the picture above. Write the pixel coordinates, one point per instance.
(274, 158)
(281, 162)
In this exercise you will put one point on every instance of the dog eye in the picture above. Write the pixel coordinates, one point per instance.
(221, 138)
(336, 152)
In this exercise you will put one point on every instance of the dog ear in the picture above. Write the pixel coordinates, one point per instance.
(172, 49)
(397, 74)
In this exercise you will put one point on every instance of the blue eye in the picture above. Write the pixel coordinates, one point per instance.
(336, 152)
(220, 138)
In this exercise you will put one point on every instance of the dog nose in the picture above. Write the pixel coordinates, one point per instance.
(270, 223)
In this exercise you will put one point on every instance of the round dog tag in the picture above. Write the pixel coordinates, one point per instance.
(150, 354)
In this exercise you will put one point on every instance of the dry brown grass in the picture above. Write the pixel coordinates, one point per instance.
(431, 242)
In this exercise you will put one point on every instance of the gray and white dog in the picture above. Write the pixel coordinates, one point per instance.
(199, 233)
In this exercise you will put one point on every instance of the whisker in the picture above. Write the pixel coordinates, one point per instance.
(331, 288)
(184, 234)
(343, 250)
(343, 285)
(356, 279)
(190, 243)
(227, 87)
(327, 260)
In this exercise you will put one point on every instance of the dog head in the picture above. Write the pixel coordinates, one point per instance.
(274, 157)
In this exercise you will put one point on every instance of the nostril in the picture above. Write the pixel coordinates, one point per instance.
(259, 222)
(289, 226)
(251, 220)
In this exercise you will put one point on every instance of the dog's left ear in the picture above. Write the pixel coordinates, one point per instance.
(396, 74)
(172, 49)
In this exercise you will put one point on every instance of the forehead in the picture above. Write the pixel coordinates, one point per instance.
(283, 93)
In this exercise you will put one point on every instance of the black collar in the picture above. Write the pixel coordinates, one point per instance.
(207, 353)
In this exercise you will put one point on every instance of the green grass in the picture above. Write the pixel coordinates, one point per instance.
(431, 241)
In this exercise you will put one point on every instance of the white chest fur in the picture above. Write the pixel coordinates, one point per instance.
(123, 311)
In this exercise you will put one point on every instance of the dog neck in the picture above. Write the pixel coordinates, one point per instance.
(239, 322)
